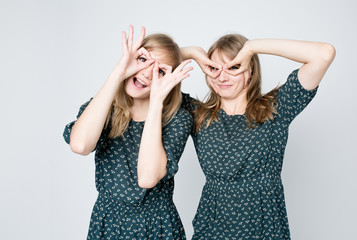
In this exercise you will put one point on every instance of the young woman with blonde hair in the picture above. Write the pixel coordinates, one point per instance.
(138, 131)
(240, 134)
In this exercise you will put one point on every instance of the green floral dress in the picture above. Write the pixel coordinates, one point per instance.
(243, 197)
(123, 210)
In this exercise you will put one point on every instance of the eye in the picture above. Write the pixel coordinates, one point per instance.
(213, 69)
(141, 58)
(161, 72)
(234, 67)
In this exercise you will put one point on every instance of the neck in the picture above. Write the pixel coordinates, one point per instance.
(234, 106)
(140, 109)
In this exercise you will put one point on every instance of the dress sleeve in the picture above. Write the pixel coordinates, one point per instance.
(174, 138)
(188, 102)
(293, 98)
(68, 129)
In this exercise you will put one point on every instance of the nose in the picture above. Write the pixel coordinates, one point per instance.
(223, 77)
(147, 72)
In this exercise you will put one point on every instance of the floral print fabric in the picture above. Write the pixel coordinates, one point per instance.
(243, 197)
(123, 210)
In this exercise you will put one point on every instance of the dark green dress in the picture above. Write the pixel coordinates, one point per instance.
(243, 197)
(123, 210)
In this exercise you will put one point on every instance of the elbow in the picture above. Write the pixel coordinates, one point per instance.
(79, 148)
(150, 181)
(147, 183)
(329, 53)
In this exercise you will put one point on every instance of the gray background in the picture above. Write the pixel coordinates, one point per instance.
(55, 55)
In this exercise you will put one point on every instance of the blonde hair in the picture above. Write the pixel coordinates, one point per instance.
(259, 108)
(120, 113)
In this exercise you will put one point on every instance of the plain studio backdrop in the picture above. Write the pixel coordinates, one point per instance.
(55, 55)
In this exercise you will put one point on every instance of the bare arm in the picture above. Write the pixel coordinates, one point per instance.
(87, 129)
(315, 56)
(200, 56)
(152, 158)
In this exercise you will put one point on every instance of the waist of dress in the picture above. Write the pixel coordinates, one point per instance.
(160, 201)
(262, 180)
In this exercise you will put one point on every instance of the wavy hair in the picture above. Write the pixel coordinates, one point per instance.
(259, 107)
(120, 112)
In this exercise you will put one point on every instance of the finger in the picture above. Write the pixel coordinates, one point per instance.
(146, 64)
(230, 64)
(131, 35)
(139, 41)
(124, 42)
(213, 64)
(155, 70)
(182, 65)
(248, 75)
(179, 79)
(143, 51)
(167, 68)
(184, 77)
(234, 72)
(212, 74)
(186, 70)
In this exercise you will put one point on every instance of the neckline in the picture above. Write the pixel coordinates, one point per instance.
(137, 122)
(233, 115)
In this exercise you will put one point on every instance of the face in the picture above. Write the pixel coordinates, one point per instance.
(228, 86)
(138, 85)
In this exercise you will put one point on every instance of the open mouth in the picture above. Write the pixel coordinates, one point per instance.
(138, 83)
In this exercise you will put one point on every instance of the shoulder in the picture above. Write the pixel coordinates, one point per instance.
(183, 115)
(293, 85)
(189, 102)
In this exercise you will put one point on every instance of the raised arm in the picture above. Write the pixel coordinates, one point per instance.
(87, 129)
(152, 158)
(315, 56)
(200, 56)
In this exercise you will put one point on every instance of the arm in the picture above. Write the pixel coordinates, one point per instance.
(152, 159)
(87, 129)
(315, 56)
(200, 56)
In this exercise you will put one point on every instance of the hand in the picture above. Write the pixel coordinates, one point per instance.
(164, 80)
(209, 67)
(133, 59)
(241, 63)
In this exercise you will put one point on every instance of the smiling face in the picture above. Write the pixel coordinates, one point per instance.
(228, 86)
(138, 85)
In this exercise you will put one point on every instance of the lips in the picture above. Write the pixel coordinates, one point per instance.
(139, 83)
(224, 86)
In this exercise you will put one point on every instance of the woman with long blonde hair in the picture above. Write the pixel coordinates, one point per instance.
(240, 134)
(138, 131)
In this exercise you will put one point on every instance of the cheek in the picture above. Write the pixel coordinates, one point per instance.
(238, 79)
(126, 85)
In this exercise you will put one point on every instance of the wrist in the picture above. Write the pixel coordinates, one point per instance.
(186, 53)
(249, 47)
(156, 104)
(118, 75)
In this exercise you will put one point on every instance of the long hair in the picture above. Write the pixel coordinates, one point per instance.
(120, 112)
(259, 107)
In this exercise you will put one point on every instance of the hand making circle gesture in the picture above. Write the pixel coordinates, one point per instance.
(164, 80)
(130, 62)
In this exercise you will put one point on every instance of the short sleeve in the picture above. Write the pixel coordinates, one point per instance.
(174, 137)
(292, 98)
(188, 102)
(68, 128)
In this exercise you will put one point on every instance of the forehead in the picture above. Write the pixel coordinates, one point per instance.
(220, 57)
(161, 56)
